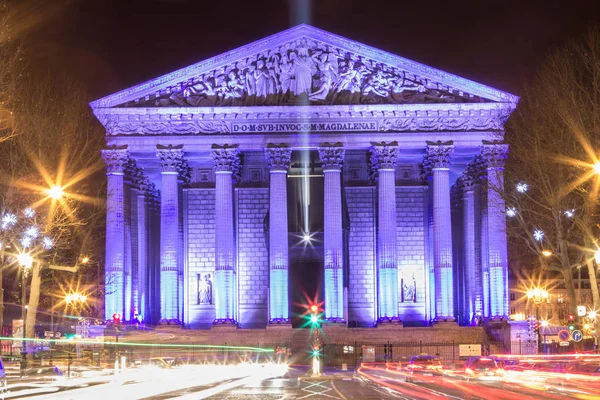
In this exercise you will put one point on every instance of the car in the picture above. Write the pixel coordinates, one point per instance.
(483, 368)
(43, 373)
(423, 366)
(164, 362)
(3, 388)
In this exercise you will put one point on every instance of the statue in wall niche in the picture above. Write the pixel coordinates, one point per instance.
(303, 71)
(409, 289)
(205, 289)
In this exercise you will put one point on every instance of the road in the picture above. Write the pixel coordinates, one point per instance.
(272, 381)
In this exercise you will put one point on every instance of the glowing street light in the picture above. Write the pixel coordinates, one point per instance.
(592, 314)
(597, 167)
(25, 260)
(597, 256)
(544, 323)
(55, 192)
(546, 253)
(85, 260)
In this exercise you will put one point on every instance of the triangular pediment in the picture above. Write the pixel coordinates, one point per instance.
(304, 66)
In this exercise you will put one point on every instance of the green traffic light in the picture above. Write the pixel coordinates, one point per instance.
(315, 353)
(314, 319)
(571, 327)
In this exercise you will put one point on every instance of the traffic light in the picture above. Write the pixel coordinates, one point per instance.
(536, 327)
(571, 322)
(314, 315)
(116, 318)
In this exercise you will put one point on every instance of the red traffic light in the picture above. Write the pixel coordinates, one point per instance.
(116, 318)
(571, 317)
(314, 308)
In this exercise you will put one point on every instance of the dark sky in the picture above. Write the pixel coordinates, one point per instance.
(114, 44)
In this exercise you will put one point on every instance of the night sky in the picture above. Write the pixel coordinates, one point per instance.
(114, 44)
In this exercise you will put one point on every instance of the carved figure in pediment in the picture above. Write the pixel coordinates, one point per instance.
(261, 75)
(328, 76)
(250, 82)
(285, 70)
(235, 85)
(303, 71)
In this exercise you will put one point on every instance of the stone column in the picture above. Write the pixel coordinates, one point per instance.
(470, 221)
(115, 159)
(170, 157)
(384, 159)
(143, 185)
(226, 161)
(495, 155)
(278, 160)
(438, 155)
(332, 157)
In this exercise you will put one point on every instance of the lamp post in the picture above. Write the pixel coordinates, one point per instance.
(25, 261)
(537, 295)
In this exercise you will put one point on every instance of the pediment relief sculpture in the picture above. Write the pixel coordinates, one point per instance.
(302, 72)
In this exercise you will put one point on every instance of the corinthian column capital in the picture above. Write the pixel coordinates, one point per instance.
(495, 154)
(384, 155)
(226, 158)
(115, 158)
(438, 154)
(170, 157)
(278, 157)
(332, 156)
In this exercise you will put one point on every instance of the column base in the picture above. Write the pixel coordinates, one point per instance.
(389, 321)
(174, 321)
(445, 320)
(336, 321)
(225, 323)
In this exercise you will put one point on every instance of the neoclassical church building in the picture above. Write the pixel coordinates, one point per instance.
(305, 167)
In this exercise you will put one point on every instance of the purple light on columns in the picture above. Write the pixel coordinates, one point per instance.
(278, 160)
(468, 181)
(170, 157)
(225, 158)
(495, 154)
(438, 156)
(384, 160)
(332, 157)
(115, 159)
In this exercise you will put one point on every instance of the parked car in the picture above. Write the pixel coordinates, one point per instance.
(164, 362)
(2, 377)
(423, 366)
(482, 367)
(43, 373)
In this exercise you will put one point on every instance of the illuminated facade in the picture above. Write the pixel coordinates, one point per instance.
(302, 166)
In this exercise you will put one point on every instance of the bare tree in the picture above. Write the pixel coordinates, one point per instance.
(58, 145)
(553, 174)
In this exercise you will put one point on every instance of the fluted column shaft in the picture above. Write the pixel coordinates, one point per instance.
(115, 232)
(225, 159)
(469, 222)
(495, 155)
(278, 159)
(439, 158)
(169, 157)
(332, 158)
(384, 159)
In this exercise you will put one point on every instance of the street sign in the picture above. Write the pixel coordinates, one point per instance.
(577, 335)
(581, 311)
(564, 344)
(564, 335)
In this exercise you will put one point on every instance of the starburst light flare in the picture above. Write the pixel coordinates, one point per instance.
(538, 235)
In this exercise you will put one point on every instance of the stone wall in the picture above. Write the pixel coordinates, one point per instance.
(361, 291)
(411, 251)
(253, 256)
(200, 238)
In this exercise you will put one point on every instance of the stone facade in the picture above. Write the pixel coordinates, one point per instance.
(229, 177)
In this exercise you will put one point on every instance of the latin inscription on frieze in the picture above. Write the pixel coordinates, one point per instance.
(297, 127)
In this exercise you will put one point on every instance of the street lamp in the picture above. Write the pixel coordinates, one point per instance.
(537, 295)
(25, 262)
(55, 192)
